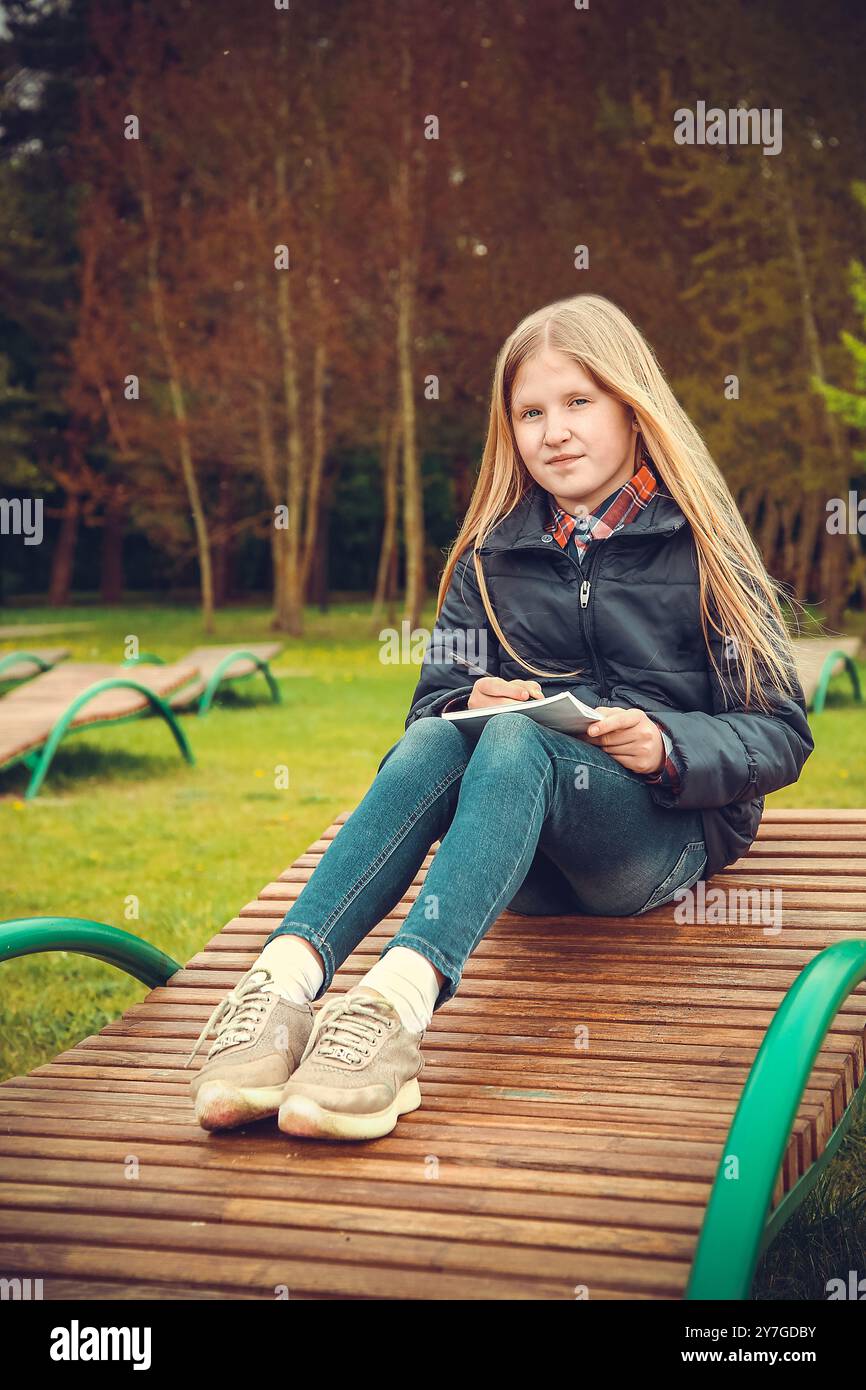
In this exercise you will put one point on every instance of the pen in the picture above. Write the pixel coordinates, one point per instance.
(470, 665)
(459, 661)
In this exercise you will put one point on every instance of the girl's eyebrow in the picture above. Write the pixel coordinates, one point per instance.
(574, 391)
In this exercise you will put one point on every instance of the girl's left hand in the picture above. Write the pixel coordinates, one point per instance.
(629, 736)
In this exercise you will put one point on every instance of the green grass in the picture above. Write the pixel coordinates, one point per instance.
(121, 814)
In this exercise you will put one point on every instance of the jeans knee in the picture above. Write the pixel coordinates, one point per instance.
(511, 728)
(430, 737)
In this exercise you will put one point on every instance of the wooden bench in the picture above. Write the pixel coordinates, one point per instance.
(35, 717)
(24, 665)
(218, 666)
(818, 660)
(535, 1166)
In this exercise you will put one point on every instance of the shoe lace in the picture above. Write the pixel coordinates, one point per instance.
(349, 1026)
(236, 1014)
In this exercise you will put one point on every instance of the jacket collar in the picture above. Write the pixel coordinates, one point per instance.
(528, 522)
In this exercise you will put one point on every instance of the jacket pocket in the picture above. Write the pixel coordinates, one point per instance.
(685, 872)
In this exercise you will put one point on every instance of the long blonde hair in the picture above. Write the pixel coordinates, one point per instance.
(733, 580)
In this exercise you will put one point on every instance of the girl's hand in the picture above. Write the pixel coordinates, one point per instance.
(493, 690)
(629, 736)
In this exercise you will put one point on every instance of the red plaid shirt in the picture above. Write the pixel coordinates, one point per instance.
(613, 513)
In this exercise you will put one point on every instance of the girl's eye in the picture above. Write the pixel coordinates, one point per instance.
(528, 412)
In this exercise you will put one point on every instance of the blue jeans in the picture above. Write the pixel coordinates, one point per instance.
(529, 819)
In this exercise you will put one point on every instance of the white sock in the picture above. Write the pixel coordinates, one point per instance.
(294, 968)
(407, 980)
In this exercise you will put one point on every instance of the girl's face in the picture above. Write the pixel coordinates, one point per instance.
(556, 409)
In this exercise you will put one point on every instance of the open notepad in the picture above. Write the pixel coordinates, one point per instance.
(562, 712)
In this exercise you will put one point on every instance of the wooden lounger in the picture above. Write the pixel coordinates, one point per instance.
(22, 665)
(36, 716)
(219, 665)
(819, 659)
(578, 1095)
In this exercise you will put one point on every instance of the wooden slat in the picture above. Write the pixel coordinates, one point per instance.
(531, 1166)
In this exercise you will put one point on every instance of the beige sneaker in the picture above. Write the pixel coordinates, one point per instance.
(358, 1074)
(261, 1038)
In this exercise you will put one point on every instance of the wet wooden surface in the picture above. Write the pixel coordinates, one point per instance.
(534, 1166)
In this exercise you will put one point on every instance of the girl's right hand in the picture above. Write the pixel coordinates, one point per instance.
(492, 690)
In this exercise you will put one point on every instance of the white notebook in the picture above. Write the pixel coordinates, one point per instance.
(563, 712)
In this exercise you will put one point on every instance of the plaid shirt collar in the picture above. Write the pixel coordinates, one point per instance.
(614, 512)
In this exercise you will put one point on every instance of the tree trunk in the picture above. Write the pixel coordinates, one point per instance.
(858, 570)
(386, 570)
(748, 503)
(289, 608)
(811, 521)
(63, 559)
(834, 567)
(317, 571)
(834, 580)
(268, 461)
(767, 532)
(224, 545)
(178, 402)
(463, 485)
(113, 532)
(413, 505)
(317, 512)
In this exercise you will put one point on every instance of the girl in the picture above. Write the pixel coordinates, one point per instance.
(602, 553)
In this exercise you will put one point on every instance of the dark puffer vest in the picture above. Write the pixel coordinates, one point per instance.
(630, 619)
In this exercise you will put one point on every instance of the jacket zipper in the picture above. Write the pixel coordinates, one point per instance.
(586, 590)
(583, 607)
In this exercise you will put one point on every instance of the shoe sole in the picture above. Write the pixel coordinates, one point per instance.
(219, 1105)
(303, 1116)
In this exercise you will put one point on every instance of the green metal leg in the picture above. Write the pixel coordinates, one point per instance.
(12, 658)
(733, 1228)
(157, 704)
(826, 674)
(215, 681)
(24, 936)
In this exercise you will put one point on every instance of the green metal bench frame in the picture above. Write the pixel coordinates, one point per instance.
(38, 760)
(826, 676)
(12, 658)
(735, 1230)
(26, 936)
(216, 678)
